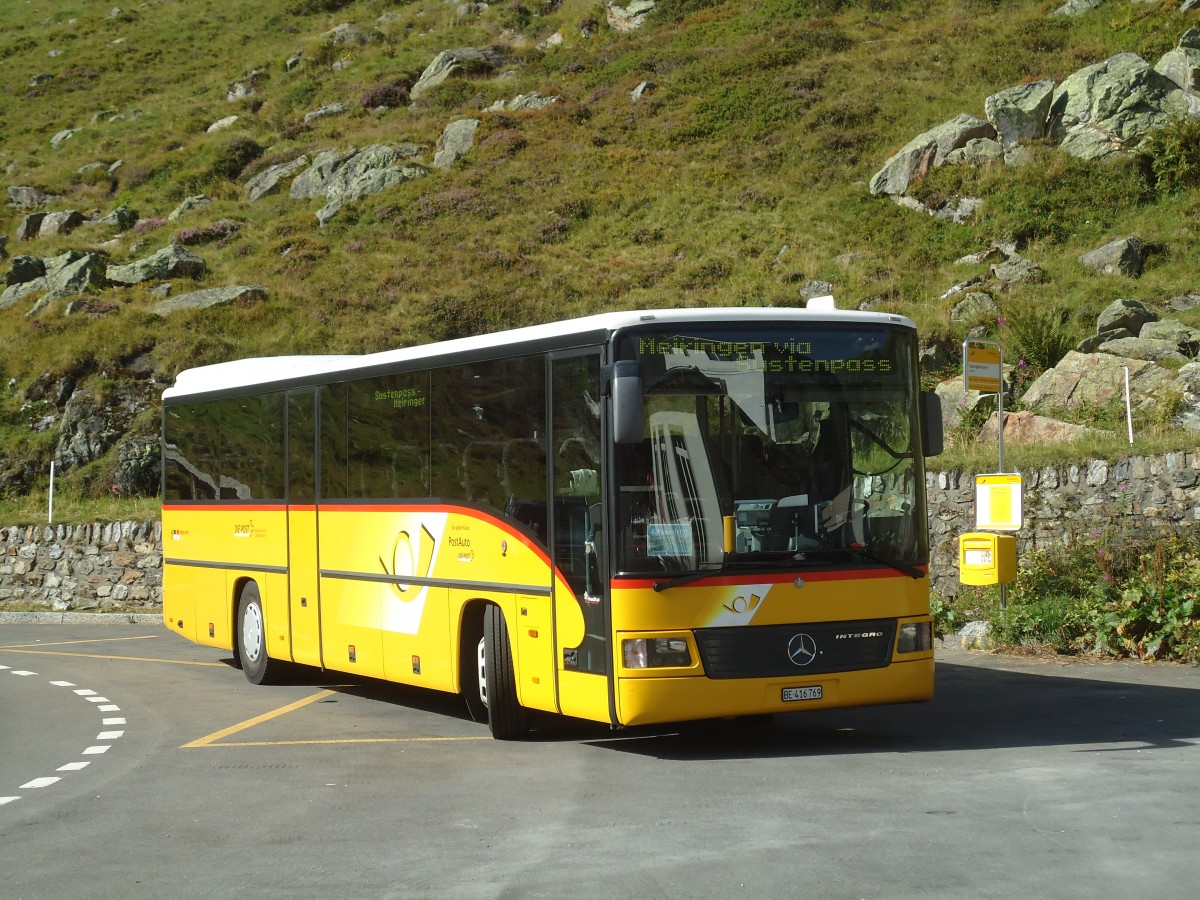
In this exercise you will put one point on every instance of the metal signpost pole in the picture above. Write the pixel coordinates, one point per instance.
(983, 371)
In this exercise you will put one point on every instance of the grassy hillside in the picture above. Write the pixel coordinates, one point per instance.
(738, 178)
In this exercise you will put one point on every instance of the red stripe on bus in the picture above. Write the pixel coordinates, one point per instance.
(225, 506)
(735, 580)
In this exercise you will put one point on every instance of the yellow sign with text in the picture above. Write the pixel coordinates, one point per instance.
(981, 369)
(999, 502)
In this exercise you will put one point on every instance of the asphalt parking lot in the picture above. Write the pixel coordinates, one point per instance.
(135, 764)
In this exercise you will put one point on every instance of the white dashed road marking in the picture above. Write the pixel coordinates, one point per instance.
(103, 739)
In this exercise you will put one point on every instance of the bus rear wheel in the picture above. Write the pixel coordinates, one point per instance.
(252, 639)
(506, 717)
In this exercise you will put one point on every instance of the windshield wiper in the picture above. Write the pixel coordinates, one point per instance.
(911, 571)
(660, 586)
(790, 559)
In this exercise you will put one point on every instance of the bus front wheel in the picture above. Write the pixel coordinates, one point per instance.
(252, 638)
(506, 716)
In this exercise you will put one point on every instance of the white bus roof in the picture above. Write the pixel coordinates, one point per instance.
(261, 371)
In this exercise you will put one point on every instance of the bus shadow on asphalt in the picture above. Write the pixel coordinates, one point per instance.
(374, 690)
(973, 709)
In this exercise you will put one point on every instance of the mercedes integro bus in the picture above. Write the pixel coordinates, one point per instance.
(631, 518)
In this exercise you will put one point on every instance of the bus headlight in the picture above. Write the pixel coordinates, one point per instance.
(915, 637)
(654, 653)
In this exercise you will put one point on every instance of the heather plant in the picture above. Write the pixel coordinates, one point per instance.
(390, 95)
(148, 224)
(205, 234)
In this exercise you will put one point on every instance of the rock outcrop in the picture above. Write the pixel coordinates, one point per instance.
(927, 151)
(1099, 110)
(1092, 380)
(456, 62)
(267, 181)
(244, 294)
(1123, 256)
(630, 16)
(455, 142)
(172, 261)
(1109, 106)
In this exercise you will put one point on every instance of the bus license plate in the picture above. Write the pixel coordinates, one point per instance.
(804, 693)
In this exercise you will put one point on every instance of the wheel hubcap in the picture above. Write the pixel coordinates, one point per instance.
(482, 674)
(252, 632)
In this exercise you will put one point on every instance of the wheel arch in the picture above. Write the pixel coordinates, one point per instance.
(470, 632)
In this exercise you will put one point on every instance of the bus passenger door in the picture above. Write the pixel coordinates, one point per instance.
(576, 537)
(303, 585)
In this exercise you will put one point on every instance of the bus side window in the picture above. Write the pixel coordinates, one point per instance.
(578, 507)
(191, 451)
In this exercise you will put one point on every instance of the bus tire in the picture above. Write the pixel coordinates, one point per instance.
(257, 665)
(506, 717)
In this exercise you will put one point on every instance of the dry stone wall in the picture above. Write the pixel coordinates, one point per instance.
(1142, 495)
(102, 567)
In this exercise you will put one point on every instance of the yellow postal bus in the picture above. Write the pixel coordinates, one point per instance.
(632, 518)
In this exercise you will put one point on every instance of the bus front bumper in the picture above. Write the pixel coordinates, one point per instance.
(648, 701)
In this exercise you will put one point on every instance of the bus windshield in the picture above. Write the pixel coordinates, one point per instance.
(773, 448)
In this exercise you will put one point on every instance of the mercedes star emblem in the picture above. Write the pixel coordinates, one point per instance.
(802, 649)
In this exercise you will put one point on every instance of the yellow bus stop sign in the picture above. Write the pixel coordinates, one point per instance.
(999, 503)
(981, 368)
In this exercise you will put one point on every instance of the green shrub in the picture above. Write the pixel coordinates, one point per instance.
(1044, 620)
(1055, 199)
(946, 616)
(1110, 594)
(311, 7)
(452, 94)
(745, 110)
(234, 155)
(1173, 156)
(1037, 337)
(1158, 613)
(301, 95)
(675, 10)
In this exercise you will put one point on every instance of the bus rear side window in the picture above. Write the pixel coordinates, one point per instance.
(228, 449)
(190, 452)
(252, 447)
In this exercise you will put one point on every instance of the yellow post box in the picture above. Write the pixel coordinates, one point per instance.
(987, 558)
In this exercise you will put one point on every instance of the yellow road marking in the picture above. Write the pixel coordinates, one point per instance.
(210, 740)
(174, 662)
(141, 637)
(257, 720)
(414, 740)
